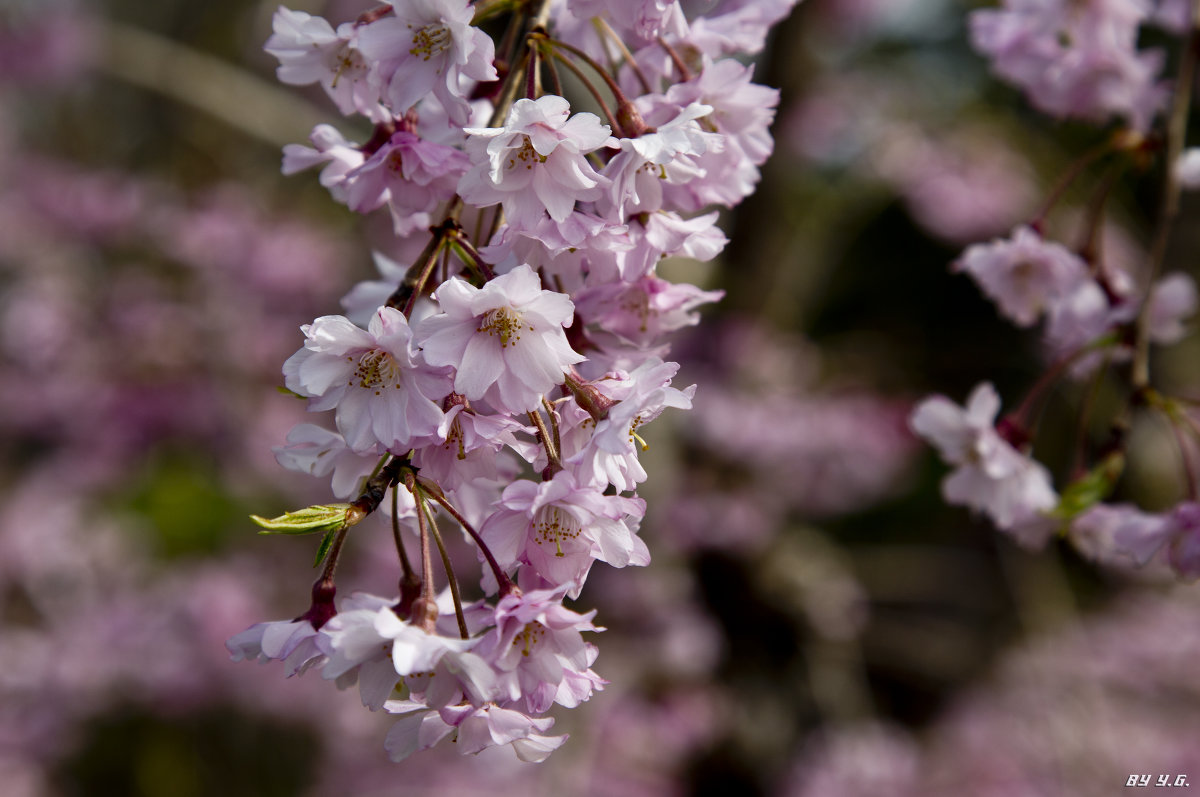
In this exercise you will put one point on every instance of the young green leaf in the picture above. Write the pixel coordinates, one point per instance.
(322, 517)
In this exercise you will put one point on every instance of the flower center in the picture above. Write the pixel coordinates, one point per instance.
(431, 40)
(505, 323)
(637, 303)
(526, 155)
(454, 439)
(633, 435)
(553, 525)
(346, 61)
(530, 635)
(376, 369)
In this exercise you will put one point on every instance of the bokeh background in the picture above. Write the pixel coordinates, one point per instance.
(815, 622)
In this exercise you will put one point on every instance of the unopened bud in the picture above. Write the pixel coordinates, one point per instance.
(630, 120)
(589, 397)
(424, 614)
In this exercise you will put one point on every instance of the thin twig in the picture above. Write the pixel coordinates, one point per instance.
(1067, 178)
(685, 74)
(611, 35)
(450, 577)
(595, 92)
(553, 463)
(434, 492)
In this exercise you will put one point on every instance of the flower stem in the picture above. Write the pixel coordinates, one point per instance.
(606, 30)
(1091, 247)
(434, 492)
(533, 77)
(553, 463)
(1021, 414)
(450, 577)
(406, 293)
(553, 424)
(1067, 178)
(425, 611)
(618, 95)
(591, 87)
(685, 74)
(1085, 415)
(410, 583)
(469, 255)
(555, 79)
(331, 558)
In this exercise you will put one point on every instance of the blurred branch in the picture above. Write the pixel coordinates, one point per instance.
(242, 100)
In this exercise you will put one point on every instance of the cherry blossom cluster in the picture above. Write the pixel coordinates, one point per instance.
(502, 379)
(1099, 316)
(1080, 59)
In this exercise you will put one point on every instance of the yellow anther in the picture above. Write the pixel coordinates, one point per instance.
(431, 40)
(504, 322)
(553, 526)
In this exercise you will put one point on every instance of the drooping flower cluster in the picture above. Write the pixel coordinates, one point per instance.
(1079, 59)
(1076, 59)
(503, 380)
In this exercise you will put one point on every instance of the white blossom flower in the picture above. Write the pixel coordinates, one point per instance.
(1023, 275)
(311, 51)
(429, 46)
(610, 453)
(383, 394)
(535, 164)
(991, 475)
(505, 340)
(474, 728)
(560, 527)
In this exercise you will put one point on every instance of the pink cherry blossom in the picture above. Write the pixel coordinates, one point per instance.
(559, 527)
(642, 312)
(610, 453)
(310, 51)
(428, 46)
(541, 150)
(536, 645)
(356, 652)
(473, 728)
(471, 447)
(383, 394)
(1112, 533)
(1120, 533)
(294, 642)
(669, 154)
(742, 113)
(319, 452)
(991, 476)
(642, 20)
(340, 157)
(1172, 301)
(582, 248)
(1187, 168)
(1023, 275)
(736, 26)
(378, 648)
(505, 339)
(408, 174)
(1077, 59)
